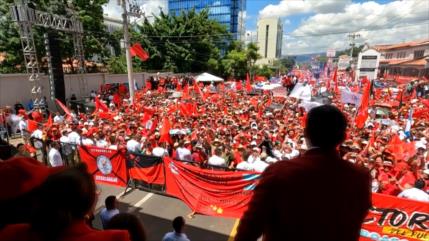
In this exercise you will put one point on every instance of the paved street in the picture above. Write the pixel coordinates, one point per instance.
(157, 211)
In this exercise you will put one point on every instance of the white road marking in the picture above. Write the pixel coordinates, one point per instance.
(143, 200)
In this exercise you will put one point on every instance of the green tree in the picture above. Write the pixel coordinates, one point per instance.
(356, 51)
(264, 70)
(189, 42)
(288, 62)
(252, 54)
(95, 38)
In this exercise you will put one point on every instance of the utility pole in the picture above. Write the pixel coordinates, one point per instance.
(353, 37)
(135, 12)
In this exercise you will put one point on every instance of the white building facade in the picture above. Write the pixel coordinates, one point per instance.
(269, 39)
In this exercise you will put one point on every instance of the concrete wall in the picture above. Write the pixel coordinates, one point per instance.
(16, 87)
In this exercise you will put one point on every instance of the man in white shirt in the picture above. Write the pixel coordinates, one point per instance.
(66, 148)
(183, 153)
(38, 135)
(160, 151)
(133, 145)
(177, 234)
(22, 125)
(416, 193)
(216, 159)
(59, 119)
(54, 155)
(74, 137)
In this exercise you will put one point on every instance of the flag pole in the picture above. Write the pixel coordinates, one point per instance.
(127, 52)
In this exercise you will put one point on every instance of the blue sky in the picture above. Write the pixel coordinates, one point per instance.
(313, 26)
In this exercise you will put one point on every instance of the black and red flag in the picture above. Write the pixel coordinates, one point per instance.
(146, 169)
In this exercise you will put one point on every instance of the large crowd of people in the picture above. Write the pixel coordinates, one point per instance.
(223, 126)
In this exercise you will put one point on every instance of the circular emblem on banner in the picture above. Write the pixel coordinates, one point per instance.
(173, 168)
(104, 165)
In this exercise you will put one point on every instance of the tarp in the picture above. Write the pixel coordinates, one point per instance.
(106, 165)
(301, 91)
(206, 77)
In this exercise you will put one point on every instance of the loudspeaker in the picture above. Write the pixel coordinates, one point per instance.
(59, 89)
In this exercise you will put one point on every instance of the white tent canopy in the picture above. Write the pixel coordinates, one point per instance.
(206, 77)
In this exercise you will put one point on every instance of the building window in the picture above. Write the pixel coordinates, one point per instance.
(418, 54)
(389, 56)
(267, 29)
(401, 55)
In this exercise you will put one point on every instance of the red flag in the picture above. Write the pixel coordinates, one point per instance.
(65, 109)
(31, 125)
(122, 89)
(401, 150)
(165, 132)
(238, 85)
(248, 84)
(335, 80)
(137, 50)
(259, 78)
(363, 108)
(117, 99)
(100, 105)
(50, 121)
(198, 90)
(148, 86)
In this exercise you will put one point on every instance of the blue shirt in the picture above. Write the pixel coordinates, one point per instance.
(173, 236)
(106, 215)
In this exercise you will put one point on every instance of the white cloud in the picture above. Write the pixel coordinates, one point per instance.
(292, 7)
(376, 23)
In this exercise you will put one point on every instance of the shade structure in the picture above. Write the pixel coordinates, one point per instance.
(206, 77)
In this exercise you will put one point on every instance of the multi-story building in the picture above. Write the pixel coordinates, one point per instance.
(404, 61)
(269, 38)
(227, 12)
(112, 25)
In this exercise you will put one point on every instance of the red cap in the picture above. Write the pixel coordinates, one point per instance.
(20, 175)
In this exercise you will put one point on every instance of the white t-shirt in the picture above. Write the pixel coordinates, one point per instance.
(87, 142)
(217, 161)
(39, 135)
(251, 159)
(244, 166)
(101, 143)
(415, 194)
(58, 119)
(54, 157)
(159, 151)
(65, 144)
(74, 138)
(133, 146)
(183, 154)
(22, 125)
(259, 166)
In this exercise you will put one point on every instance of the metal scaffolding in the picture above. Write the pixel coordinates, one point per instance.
(27, 17)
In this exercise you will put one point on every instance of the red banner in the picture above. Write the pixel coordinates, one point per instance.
(106, 165)
(396, 219)
(210, 192)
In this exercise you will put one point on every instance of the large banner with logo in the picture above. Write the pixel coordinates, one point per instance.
(210, 192)
(106, 165)
(396, 219)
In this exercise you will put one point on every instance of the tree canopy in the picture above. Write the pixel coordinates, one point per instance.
(95, 40)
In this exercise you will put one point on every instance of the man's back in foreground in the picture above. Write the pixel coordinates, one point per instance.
(317, 196)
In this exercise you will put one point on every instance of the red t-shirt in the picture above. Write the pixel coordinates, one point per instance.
(408, 178)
